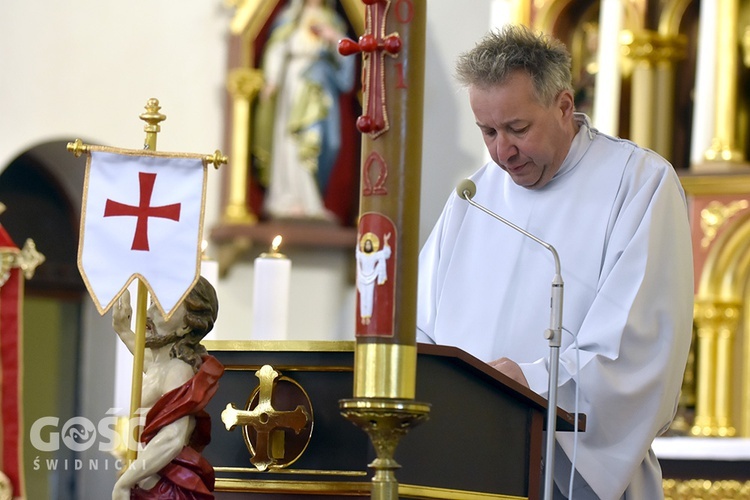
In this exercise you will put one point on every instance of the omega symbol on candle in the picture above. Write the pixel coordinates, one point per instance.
(272, 272)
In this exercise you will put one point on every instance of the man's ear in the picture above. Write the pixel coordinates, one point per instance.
(566, 103)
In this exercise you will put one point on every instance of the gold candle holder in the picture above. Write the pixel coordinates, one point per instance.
(386, 421)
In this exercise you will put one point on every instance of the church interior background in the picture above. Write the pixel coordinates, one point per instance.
(672, 75)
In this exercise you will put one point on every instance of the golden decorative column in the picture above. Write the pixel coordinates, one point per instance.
(243, 85)
(723, 149)
(716, 326)
(652, 105)
(640, 48)
(670, 50)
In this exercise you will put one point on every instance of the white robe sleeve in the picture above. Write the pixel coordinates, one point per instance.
(429, 257)
(634, 339)
(428, 287)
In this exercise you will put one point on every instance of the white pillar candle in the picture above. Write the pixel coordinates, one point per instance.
(272, 272)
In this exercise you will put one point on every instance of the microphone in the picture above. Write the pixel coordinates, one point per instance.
(466, 190)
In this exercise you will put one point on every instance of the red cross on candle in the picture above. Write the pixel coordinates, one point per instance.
(143, 211)
(374, 44)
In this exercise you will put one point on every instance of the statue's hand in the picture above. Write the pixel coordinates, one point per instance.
(122, 311)
(121, 492)
(326, 32)
(267, 91)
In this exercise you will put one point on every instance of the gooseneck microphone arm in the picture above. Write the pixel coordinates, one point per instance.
(466, 190)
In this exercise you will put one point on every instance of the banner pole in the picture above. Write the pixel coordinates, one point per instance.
(152, 117)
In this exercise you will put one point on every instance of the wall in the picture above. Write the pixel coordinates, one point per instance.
(85, 68)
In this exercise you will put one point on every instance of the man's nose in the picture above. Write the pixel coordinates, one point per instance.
(505, 148)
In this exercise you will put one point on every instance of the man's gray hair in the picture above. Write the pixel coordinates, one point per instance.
(515, 47)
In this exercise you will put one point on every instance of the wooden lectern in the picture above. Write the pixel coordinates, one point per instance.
(483, 439)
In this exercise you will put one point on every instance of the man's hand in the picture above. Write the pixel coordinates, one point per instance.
(510, 368)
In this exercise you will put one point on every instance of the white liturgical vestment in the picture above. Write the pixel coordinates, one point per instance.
(617, 216)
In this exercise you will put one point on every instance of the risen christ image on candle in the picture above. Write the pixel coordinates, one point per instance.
(370, 267)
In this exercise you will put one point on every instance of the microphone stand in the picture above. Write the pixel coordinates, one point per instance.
(466, 190)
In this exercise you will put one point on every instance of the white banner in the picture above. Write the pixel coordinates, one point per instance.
(142, 217)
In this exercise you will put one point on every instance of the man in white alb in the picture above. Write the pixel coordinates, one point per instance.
(617, 216)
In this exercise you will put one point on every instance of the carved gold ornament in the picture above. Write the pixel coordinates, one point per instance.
(715, 215)
(27, 259)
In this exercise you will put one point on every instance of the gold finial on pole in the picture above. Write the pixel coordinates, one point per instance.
(217, 159)
(77, 147)
(152, 117)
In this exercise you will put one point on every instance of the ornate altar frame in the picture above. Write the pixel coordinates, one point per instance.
(239, 228)
(720, 215)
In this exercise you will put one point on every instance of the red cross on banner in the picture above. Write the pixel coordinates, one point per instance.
(143, 211)
(142, 216)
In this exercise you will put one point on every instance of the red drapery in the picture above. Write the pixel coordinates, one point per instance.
(11, 423)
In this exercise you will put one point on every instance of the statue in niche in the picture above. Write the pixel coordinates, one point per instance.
(298, 130)
(179, 379)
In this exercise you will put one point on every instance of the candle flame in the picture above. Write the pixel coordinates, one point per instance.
(276, 243)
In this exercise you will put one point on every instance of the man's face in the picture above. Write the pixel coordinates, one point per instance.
(368, 246)
(525, 138)
(160, 332)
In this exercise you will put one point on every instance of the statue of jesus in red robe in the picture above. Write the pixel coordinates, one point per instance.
(178, 381)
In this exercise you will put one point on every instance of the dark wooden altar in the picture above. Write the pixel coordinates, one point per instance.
(483, 439)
